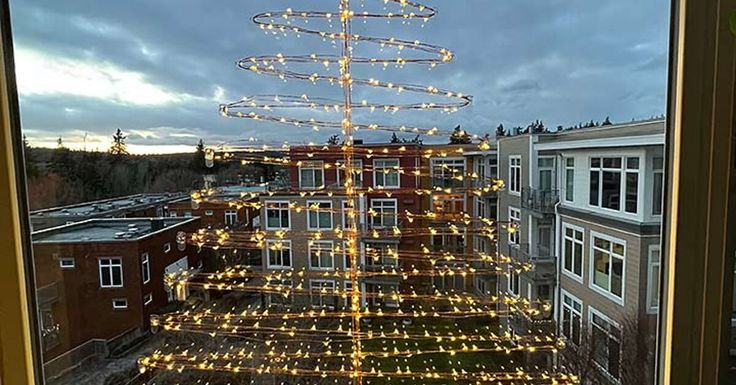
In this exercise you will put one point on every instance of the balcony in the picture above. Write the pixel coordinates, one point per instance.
(540, 256)
(542, 201)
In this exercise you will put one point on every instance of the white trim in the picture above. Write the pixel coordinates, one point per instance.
(626, 141)
(321, 298)
(110, 266)
(121, 306)
(145, 267)
(519, 166)
(231, 213)
(265, 212)
(566, 169)
(650, 288)
(396, 212)
(591, 312)
(318, 211)
(167, 247)
(331, 254)
(64, 260)
(564, 293)
(591, 283)
(338, 170)
(322, 169)
(283, 242)
(147, 299)
(398, 173)
(516, 229)
(568, 273)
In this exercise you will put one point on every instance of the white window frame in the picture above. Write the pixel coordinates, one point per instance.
(288, 213)
(145, 268)
(357, 165)
(652, 290)
(309, 210)
(493, 167)
(571, 273)
(393, 256)
(514, 289)
(481, 208)
(319, 294)
(64, 263)
(347, 288)
(573, 312)
(591, 282)
(623, 171)
(110, 265)
(285, 244)
(380, 215)
(569, 169)
(514, 238)
(345, 256)
(313, 246)
(172, 214)
(391, 169)
(658, 172)
(117, 306)
(447, 175)
(313, 166)
(515, 169)
(147, 299)
(231, 214)
(591, 312)
(167, 247)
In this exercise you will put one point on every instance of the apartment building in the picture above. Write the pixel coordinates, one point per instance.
(105, 269)
(585, 206)
(132, 206)
(222, 208)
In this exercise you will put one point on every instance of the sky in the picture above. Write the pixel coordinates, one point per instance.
(158, 70)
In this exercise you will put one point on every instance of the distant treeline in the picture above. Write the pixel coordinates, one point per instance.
(61, 176)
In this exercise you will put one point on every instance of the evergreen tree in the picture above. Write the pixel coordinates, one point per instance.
(119, 147)
(395, 139)
(333, 140)
(607, 122)
(197, 164)
(500, 131)
(30, 159)
(460, 136)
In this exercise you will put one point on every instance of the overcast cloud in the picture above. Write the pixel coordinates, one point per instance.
(159, 69)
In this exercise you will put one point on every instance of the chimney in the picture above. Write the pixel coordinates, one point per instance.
(157, 224)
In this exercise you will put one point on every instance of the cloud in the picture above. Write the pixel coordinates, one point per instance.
(41, 74)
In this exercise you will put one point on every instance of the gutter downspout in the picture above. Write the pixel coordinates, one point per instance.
(558, 236)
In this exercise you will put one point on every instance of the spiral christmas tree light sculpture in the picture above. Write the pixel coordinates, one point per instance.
(411, 336)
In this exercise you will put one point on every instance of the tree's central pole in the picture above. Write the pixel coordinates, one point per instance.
(351, 228)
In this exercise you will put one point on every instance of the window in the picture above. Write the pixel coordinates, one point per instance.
(278, 253)
(572, 251)
(346, 261)
(657, 185)
(606, 188)
(311, 174)
(357, 173)
(386, 173)
(319, 215)
(321, 255)
(167, 247)
(278, 216)
(111, 272)
(322, 293)
(448, 204)
(345, 219)
(480, 208)
(66, 262)
(480, 171)
(447, 172)
(120, 303)
(515, 174)
(187, 214)
(632, 185)
(653, 274)
(383, 213)
(231, 217)
(280, 292)
(607, 272)
(348, 293)
(513, 226)
(209, 213)
(572, 318)
(145, 268)
(546, 167)
(605, 339)
(493, 167)
(172, 214)
(147, 299)
(569, 179)
(514, 283)
(381, 254)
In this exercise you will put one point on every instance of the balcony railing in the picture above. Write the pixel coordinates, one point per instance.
(525, 253)
(542, 201)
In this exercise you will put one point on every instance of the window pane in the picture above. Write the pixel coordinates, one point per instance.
(632, 191)
(611, 190)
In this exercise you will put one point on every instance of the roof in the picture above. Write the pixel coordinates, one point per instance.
(107, 230)
(105, 207)
(640, 133)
